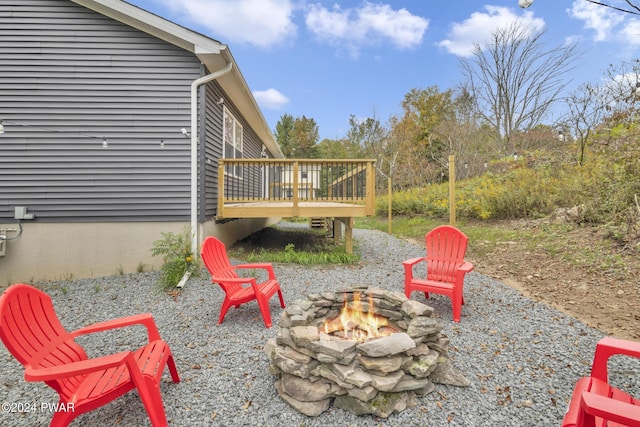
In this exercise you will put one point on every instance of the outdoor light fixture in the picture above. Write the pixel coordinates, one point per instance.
(1, 128)
(525, 3)
(105, 144)
(162, 143)
(185, 132)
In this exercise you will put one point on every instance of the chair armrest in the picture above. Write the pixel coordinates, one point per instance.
(413, 261)
(76, 368)
(259, 265)
(237, 280)
(608, 347)
(408, 267)
(610, 409)
(145, 319)
(465, 267)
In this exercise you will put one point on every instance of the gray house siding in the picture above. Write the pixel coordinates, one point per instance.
(71, 78)
(252, 147)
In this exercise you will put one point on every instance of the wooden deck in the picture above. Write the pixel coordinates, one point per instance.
(291, 210)
(264, 188)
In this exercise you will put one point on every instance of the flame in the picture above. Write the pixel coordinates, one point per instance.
(356, 324)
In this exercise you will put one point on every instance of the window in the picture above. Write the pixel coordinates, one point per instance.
(232, 145)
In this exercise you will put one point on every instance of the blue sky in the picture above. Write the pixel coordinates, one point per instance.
(327, 60)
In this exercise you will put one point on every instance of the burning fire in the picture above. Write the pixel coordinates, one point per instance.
(356, 324)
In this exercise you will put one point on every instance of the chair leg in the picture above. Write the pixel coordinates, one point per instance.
(63, 419)
(226, 305)
(152, 400)
(456, 304)
(263, 303)
(281, 299)
(171, 364)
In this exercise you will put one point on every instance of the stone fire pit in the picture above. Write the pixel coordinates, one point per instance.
(379, 376)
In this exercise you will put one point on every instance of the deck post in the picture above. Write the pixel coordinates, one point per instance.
(337, 230)
(221, 198)
(371, 189)
(296, 196)
(348, 234)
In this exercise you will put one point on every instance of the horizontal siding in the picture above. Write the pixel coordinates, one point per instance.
(69, 78)
(252, 146)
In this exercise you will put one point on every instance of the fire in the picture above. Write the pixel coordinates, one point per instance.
(356, 323)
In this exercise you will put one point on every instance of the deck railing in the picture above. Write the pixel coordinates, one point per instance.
(296, 181)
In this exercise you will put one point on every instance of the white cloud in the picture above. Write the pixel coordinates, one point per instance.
(478, 28)
(270, 99)
(263, 23)
(598, 18)
(369, 24)
(631, 33)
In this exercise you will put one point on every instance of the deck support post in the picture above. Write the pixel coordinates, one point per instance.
(348, 233)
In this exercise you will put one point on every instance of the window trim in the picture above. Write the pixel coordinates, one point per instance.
(236, 126)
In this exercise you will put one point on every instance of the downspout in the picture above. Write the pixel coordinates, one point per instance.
(194, 157)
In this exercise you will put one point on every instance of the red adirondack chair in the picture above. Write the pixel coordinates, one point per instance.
(32, 332)
(595, 403)
(239, 290)
(445, 267)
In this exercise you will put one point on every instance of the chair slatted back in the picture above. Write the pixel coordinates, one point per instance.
(215, 258)
(33, 334)
(446, 247)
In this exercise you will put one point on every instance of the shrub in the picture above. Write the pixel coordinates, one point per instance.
(178, 257)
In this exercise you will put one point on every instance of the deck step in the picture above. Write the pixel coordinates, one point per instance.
(316, 222)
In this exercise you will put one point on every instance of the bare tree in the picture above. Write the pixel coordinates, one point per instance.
(622, 89)
(586, 111)
(514, 80)
(634, 9)
(374, 140)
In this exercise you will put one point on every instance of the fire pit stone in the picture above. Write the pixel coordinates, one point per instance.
(380, 375)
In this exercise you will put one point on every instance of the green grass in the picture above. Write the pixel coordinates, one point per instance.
(565, 243)
(483, 237)
(294, 246)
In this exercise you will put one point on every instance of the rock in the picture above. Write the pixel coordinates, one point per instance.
(381, 364)
(387, 346)
(413, 308)
(383, 405)
(410, 383)
(445, 373)
(352, 374)
(365, 393)
(291, 366)
(310, 409)
(303, 335)
(422, 326)
(334, 347)
(422, 366)
(387, 382)
(304, 390)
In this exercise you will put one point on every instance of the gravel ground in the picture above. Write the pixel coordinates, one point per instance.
(522, 357)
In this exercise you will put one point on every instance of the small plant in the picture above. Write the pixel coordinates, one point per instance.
(178, 257)
(309, 247)
(140, 268)
(120, 271)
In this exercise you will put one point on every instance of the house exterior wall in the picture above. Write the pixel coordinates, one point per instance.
(71, 78)
(93, 111)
